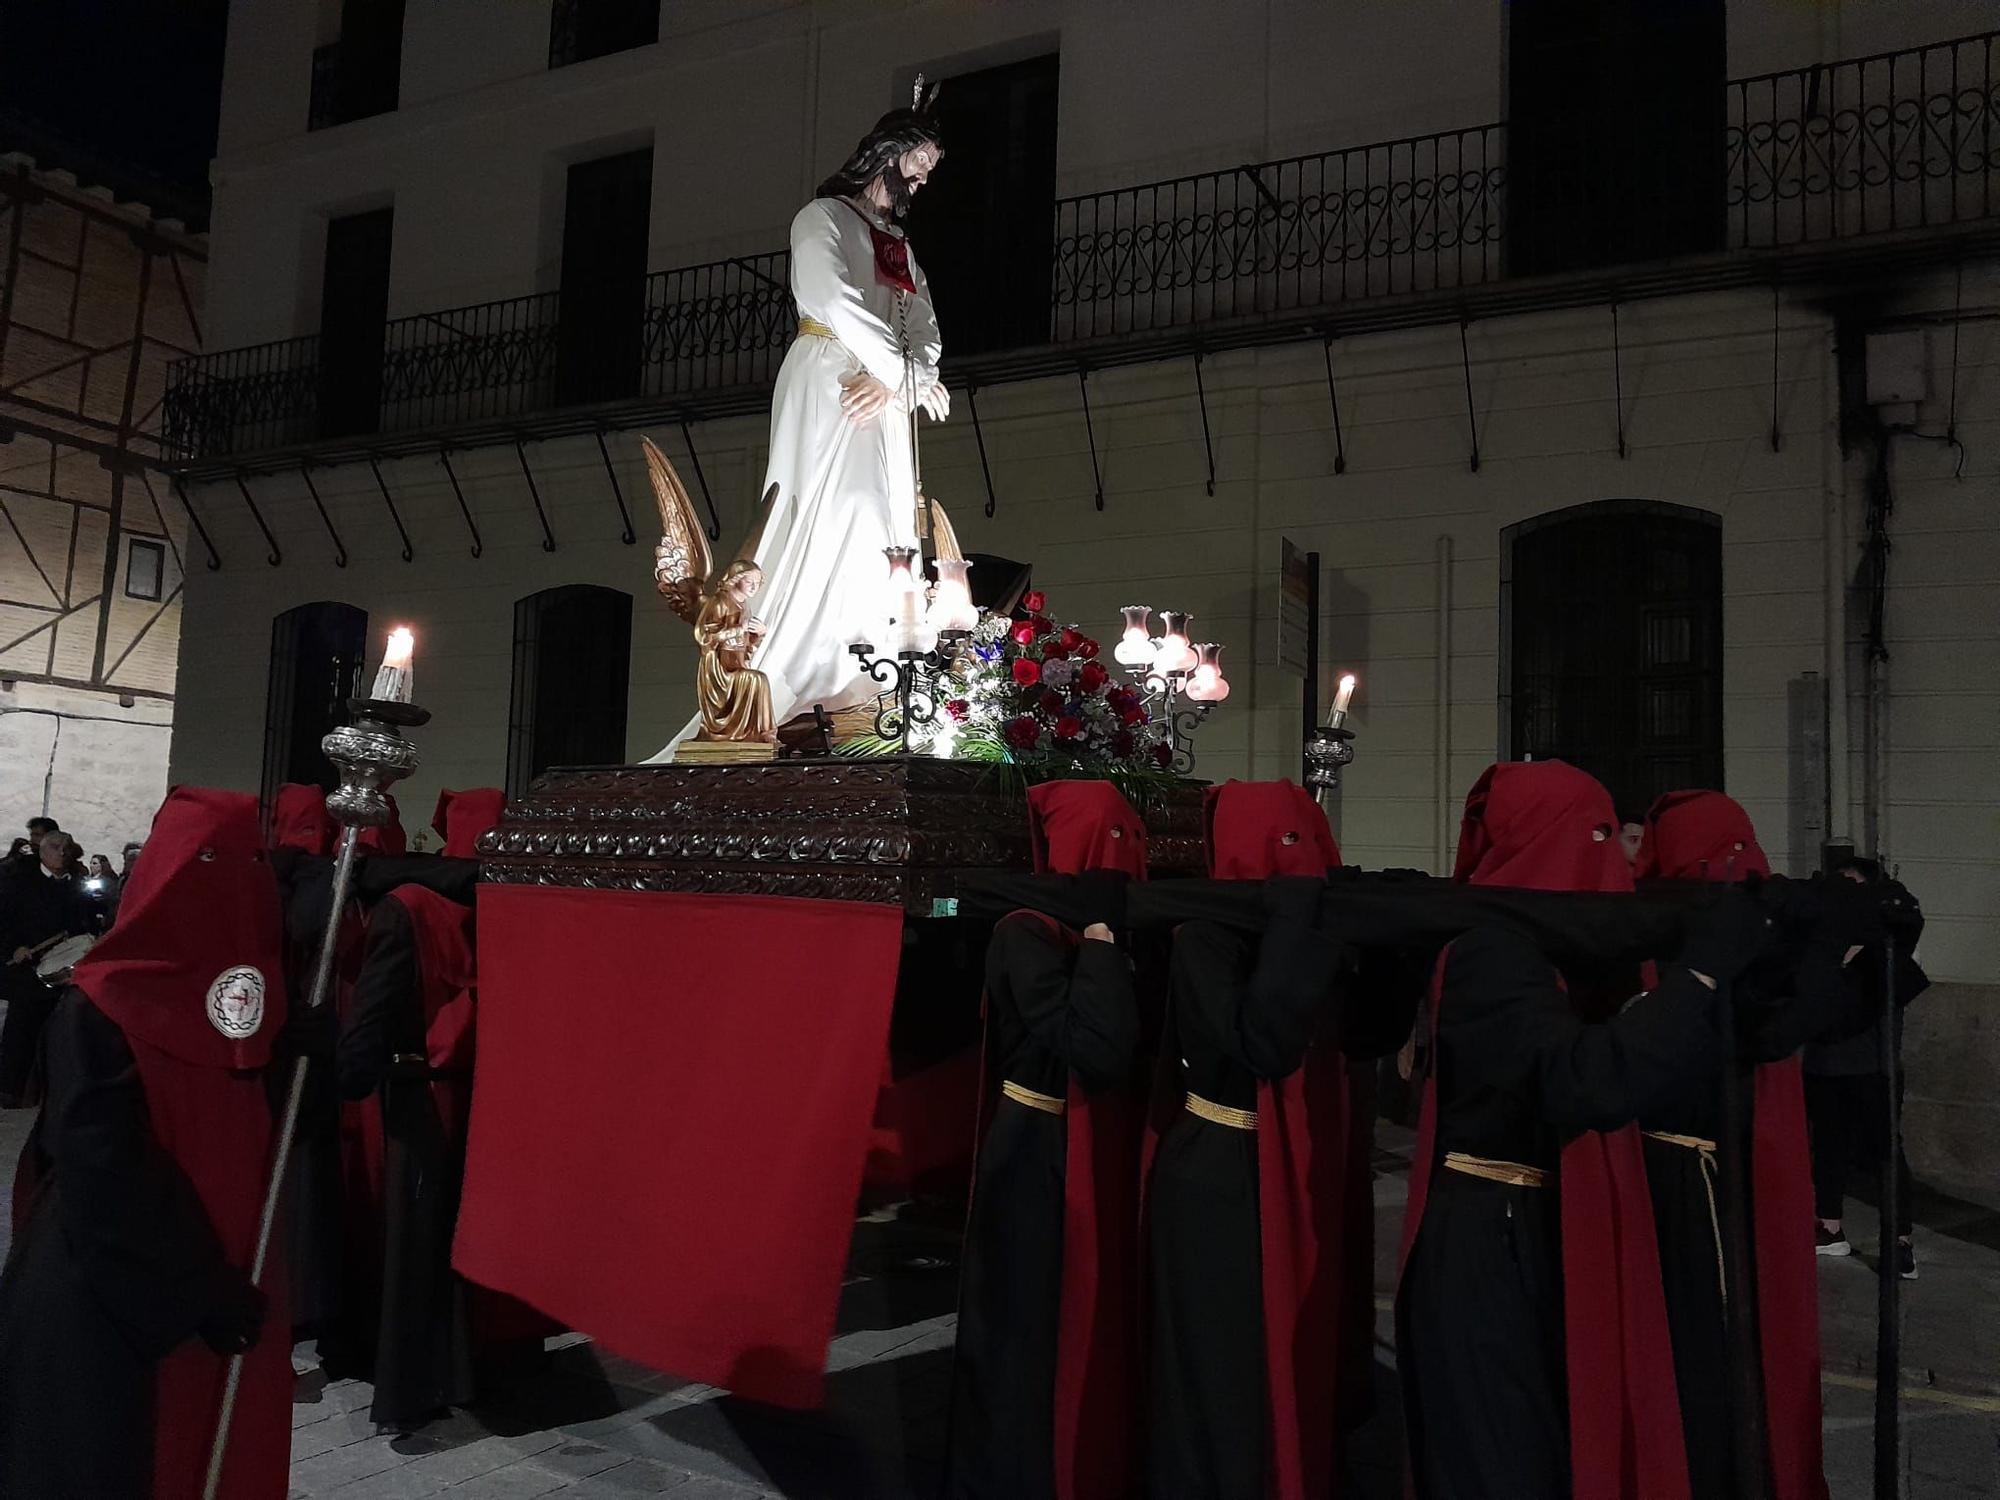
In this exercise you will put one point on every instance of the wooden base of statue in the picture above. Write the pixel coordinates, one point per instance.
(724, 752)
(883, 829)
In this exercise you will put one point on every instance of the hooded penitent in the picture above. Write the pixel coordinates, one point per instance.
(192, 973)
(461, 817)
(299, 820)
(1548, 826)
(1705, 835)
(1044, 1383)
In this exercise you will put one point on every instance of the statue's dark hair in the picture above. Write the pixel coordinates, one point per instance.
(895, 134)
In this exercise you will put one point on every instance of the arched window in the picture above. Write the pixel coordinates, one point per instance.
(572, 667)
(1612, 658)
(316, 663)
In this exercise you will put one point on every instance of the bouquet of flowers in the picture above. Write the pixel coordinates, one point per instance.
(1033, 691)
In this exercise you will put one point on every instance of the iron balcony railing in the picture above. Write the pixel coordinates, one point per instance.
(1813, 155)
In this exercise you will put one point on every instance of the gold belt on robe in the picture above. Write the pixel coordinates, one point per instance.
(1514, 1173)
(1221, 1114)
(1705, 1150)
(1048, 1104)
(813, 328)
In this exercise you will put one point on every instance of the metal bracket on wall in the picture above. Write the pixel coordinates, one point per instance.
(626, 536)
(1096, 476)
(1207, 443)
(478, 546)
(1333, 396)
(339, 547)
(1471, 416)
(274, 556)
(1777, 435)
(409, 552)
(714, 520)
(1618, 380)
(180, 494)
(979, 437)
(535, 494)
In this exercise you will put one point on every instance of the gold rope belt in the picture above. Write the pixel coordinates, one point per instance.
(1048, 1104)
(1511, 1172)
(813, 328)
(1221, 1114)
(1705, 1150)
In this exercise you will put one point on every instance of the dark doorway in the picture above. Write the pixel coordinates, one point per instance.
(1613, 615)
(607, 214)
(1616, 114)
(582, 29)
(572, 661)
(317, 653)
(353, 321)
(983, 225)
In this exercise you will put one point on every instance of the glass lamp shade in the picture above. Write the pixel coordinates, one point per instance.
(1135, 647)
(951, 601)
(1173, 653)
(1207, 684)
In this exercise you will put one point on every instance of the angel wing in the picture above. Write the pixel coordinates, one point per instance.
(681, 561)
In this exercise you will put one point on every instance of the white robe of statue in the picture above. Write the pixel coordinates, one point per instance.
(844, 492)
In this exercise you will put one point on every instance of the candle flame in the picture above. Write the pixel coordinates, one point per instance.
(402, 642)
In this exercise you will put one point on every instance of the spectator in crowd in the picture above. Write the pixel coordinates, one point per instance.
(100, 868)
(125, 870)
(40, 906)
(20, 855)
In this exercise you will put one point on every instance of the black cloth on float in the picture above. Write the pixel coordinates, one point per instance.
(419, 1331)
(1479, 1312)
(1244, 1009)
(452, 878)
(1056, 1009)
(113, 1266)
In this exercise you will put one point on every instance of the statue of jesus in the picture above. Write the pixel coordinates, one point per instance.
(866, 359)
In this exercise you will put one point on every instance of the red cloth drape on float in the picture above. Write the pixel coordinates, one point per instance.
(671, 1117)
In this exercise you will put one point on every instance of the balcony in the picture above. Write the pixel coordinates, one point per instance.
(1884, 161)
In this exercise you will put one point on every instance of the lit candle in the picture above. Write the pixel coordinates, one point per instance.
(392, 679)
(1206, 685)
(906, 604)
(1342, 698)
(951, 603)
(1135, 646)
(1173, 653)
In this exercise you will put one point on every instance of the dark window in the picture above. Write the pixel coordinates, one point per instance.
(982, 225)
(145, 569)
(1616, 113)
(582, 29)
(361, 74)
(316, 663)
(572, 658)
(1614, 635)
(353, 322)
(607, 215)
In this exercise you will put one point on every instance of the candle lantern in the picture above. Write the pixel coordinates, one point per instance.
(951, 610)
(1135, 646)
(1173, 653)
(1206, 684)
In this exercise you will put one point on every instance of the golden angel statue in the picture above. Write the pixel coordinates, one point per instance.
(733, 697)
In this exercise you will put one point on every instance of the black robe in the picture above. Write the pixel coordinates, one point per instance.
(1244, 1009)
(114, 1265)
(1479, 1310)
(417, 1327)
(34, 907)
(1055, 1010)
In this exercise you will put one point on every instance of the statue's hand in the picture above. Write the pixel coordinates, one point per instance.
(936, 401)
(863, 398)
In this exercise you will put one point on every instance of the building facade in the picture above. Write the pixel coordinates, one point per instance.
(98, 296)
(1636, 380)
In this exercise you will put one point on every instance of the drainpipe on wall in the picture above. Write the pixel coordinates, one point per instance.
(1839, 749)
(1441, 726)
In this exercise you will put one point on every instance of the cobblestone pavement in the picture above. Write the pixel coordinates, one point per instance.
(586, 1424)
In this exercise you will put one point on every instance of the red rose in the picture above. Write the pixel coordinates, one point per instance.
(1043, 625)
(1090, 679)
(1023, 733)
(1051, 702)
(1024, 633)
(1034, 601)
(1122, 744)
(1087, 649)
(959, 710)
(1071, 638)
(1027, 673)
(1163, 755)
(1068, 727)
(1053, 651)
(1132, 712)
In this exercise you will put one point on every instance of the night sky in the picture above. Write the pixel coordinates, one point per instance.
(126, 84)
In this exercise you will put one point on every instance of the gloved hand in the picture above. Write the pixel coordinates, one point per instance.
(236, 1322)
(1102, 894)
(312, 1031)
(1850, 914)
(1727, 936)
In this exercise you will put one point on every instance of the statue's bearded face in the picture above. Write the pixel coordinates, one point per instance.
(911, 171)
